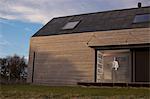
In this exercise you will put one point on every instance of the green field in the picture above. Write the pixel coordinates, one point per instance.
(77, 92)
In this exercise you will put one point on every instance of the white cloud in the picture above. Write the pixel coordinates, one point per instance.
(133, 3)
(26, 59)
(41, 11)
(5, 21)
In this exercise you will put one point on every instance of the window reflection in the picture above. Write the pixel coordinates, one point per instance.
(142, 18)
(105, 69)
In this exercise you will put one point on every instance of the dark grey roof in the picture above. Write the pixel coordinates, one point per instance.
(99, 21)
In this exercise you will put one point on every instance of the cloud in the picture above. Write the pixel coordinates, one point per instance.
(133, 3)
(41, 11)
(26, 59)
(6, 21)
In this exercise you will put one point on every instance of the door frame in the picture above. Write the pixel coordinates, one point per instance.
(119, 47)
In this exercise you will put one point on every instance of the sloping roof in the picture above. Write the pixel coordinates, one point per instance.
(99, 21)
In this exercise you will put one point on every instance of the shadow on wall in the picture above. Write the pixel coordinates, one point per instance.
(55, 70)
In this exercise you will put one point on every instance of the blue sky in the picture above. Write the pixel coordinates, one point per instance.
(20, 19)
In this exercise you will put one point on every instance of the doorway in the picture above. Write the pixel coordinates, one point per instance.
(105, 71)
(141, 65)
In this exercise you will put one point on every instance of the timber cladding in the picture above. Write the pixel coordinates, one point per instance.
(67, 59)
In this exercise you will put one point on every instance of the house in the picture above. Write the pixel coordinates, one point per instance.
(110, 46)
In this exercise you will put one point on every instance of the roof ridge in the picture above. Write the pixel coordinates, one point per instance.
(100, 12)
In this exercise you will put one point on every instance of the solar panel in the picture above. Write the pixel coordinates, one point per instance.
(142, 18)
(70, 25)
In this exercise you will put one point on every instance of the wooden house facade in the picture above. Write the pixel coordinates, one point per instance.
(111, 46)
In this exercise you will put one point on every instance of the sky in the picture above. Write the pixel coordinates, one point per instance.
(20, 19)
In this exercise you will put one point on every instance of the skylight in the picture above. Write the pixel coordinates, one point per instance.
(70, 25)
(142, 18)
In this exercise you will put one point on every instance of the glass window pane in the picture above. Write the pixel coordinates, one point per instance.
(113, 65)
(70, 25)
(142, 18)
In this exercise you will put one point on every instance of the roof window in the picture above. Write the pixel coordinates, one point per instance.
(142, 18)
(70, 25)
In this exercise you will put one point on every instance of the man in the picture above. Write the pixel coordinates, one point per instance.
(115, 66)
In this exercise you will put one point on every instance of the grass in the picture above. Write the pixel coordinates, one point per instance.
(77, 92)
